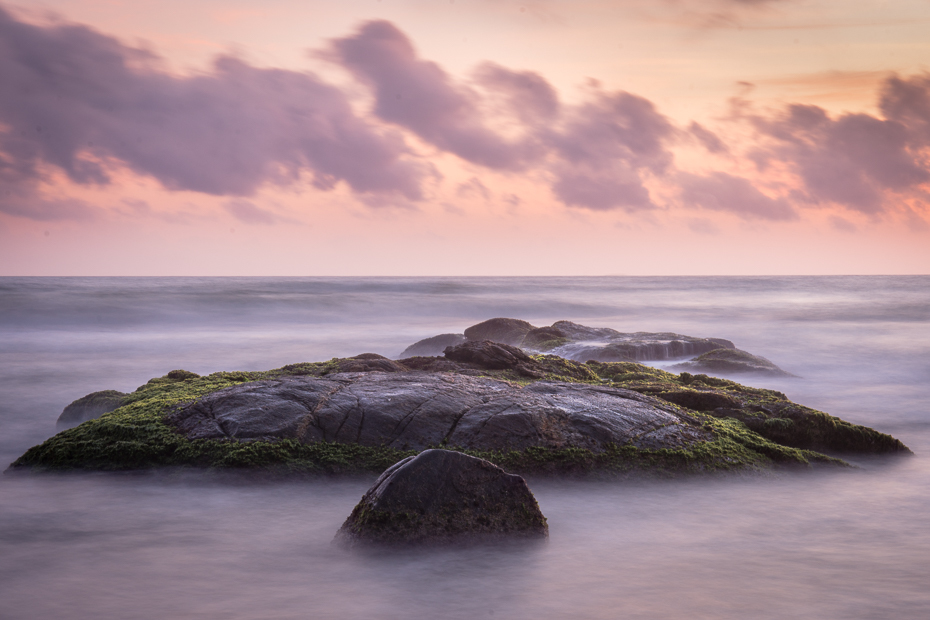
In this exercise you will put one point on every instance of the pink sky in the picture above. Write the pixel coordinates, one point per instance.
(472, 137)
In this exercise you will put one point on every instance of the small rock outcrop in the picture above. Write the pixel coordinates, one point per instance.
(369, 362)
(433, 346)
(487, 354)
(507, 331)
(440, 496)
(732, 361)
(91, 406)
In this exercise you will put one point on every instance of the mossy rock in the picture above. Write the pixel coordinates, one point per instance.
(755, 429)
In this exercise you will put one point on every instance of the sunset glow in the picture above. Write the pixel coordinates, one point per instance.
(464, 137)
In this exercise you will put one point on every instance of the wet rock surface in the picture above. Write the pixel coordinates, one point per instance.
(732, 361)
(416, 410)
(91, 406)
(580, 342)
(507, 331)
(440, 496)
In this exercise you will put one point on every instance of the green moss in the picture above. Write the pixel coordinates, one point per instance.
(751, 428)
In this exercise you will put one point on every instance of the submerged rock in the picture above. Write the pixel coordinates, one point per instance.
(91, 406)
(433, 346)
(732, 361)
(440, 496)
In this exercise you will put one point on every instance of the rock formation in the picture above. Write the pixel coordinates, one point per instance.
(732, 361)
(440, 496)
(416, 410)
(91, 406)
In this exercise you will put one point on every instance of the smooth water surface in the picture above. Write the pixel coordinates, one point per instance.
(820, 544)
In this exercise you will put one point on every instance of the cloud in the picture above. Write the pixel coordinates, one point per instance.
(719, 191)
(707, 138)
(82, 102)
(860, 161)
(421, 97)
(248, 213)
(603, 148)
(529, 96)
(472, 188)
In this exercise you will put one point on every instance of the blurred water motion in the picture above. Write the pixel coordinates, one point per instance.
(824, 544)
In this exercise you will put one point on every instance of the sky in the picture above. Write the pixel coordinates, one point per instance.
(464, 137)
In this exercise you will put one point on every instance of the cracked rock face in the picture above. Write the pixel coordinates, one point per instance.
(416, 410)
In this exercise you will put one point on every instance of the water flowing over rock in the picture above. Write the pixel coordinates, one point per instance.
(732, 361)
(440, 496)
(580, 342)
(416, 410)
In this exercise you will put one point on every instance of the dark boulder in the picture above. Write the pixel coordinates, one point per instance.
(487, 354)
(432, 346)
(507, 331)
(441, 496)
(732, 361)
(91, 406)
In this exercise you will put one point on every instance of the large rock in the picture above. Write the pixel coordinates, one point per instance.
(732, 361)
(433, 346)
(441, 496)
(91, 406)
(416, 410)
(507, 331)
(487, 354)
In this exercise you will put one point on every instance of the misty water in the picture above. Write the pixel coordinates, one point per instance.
(827, 543)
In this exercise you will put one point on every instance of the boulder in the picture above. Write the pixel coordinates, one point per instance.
(487, 354)
(544, 338)
(507, 331)
(433, 346)
(416, 410)
(91, 406)
(732, 361)
(440, 496)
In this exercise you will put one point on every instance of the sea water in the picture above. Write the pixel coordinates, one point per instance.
(828, 543)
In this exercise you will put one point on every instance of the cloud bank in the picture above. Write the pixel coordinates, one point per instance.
(79, 103)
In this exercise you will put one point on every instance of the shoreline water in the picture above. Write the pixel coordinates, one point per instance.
(821, 544)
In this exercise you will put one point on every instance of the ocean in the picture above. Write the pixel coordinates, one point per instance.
(828, 543)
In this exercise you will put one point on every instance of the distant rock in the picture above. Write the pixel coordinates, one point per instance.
(440, 496)
(91, 406)
(507, 331)
(732, 361)
(577, 342)
(433, 346)
(544, 338)
(487, 354)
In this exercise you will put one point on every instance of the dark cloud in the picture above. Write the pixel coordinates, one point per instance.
(418, 95)
(75, 100)
(719, 191)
